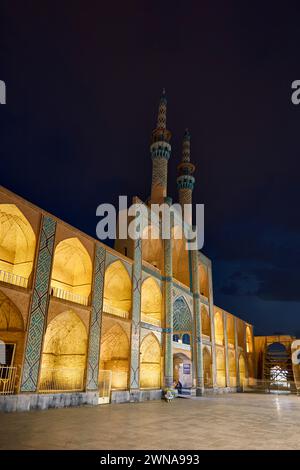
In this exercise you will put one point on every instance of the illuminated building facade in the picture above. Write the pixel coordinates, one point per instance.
(82, 322)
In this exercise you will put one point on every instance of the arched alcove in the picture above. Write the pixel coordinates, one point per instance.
(241, 333)
(152, 246)
(151, 302)
(219, 328)
(230, 330)
(203, 279)
(180, 256)
(150, 362)
(17, 246)
(12, 333)
(114, 354)
(72, 272)
(117, 290)
(205, 320)
(10, 316)
(64, 354)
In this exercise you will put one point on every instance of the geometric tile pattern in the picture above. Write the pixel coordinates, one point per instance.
(39, 306)
(136, 313)
(168, 314)
(96, 320)
(182, 317)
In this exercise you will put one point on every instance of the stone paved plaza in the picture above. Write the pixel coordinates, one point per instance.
(235, 421)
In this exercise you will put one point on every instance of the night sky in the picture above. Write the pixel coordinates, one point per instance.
(83, 82)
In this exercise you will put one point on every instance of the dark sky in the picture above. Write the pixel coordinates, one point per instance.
(83, 82)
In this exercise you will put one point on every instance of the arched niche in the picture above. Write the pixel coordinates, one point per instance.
(17, 246)
(114, 355)
(117, 290)
(12, 334)
(219, 327)
(205, 320)
(180, 256)
(150, 362)
(230, 330)
(241, 333)
(151, 302)
(203, 279)
(72, 271)
(152, 246)
(221, 368)
(64, 354)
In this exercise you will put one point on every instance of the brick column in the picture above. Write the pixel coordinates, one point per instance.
(198, 357)
(212, 327)
(136, 318)
(168, 313)
(96, 320)
(237, 367)
(226, 349)
(39, 307)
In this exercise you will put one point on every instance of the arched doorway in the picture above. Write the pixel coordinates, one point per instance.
(151, 302)
(117, 290)
(150, 363)
(182, 370)
(182, 328)
(72, 272)
(205, 319)
(64, 354)
(114, 353)
(278, 366)
(17, 246)
(207, 368)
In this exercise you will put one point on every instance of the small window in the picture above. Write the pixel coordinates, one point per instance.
(125, 250)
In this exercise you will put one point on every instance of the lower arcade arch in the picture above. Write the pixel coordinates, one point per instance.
(64, 354)
(242, 370)
(114, 354)
(182, 370)
(221, 368)
(150, 362)
(207, 368)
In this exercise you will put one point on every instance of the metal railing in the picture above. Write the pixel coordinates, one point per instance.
(115, 310)
(63, 379)
(14, 279)
(7, 380)
(70, 296)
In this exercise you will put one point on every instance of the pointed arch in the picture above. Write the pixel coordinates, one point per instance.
(72, 271)
(150, 365)
(205, 320)
(182, 317)
(117, 290)
(17, 246)
(64, 353)
(151, 302)
(221, 367)
(114, 354)
(219, 327)
(152, 246)
(232, 368)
